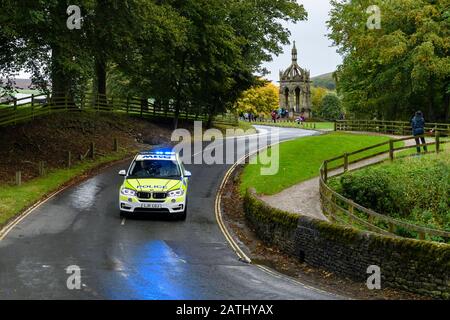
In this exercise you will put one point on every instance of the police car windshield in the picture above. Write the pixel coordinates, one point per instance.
(157, 169)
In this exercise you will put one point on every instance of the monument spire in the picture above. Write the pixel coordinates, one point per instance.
(294, 53)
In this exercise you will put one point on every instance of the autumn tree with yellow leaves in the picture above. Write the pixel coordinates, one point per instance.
(259, 100)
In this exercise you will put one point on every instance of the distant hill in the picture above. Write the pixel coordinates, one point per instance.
(324, 81)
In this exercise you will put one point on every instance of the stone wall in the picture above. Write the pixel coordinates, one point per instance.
(412, 265)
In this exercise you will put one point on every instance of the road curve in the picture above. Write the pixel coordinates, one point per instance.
(140, 258)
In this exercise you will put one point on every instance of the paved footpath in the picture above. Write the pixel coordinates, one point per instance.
(304, 198)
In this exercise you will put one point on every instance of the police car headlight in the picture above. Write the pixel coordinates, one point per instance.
(175, 193)
(128, 192)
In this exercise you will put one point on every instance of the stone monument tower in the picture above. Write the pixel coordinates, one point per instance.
(295, 89)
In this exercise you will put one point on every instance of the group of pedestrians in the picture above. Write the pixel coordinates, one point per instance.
(278, 114)
(249, 116)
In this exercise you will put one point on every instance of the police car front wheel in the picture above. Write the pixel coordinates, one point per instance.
(123, 214)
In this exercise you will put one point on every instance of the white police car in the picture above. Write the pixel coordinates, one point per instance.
(155, 182)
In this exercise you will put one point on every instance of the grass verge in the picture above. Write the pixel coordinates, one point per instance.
(242, 125)
(15, 199)
(300, 159)
(306, 125)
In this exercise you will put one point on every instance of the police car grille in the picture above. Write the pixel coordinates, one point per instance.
(144, 195)
(159, 195)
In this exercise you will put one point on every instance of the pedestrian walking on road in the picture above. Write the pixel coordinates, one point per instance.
(418, 130)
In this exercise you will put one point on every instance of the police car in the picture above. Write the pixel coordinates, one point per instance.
(155, 182)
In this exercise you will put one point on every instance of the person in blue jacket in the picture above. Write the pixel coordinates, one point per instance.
(418, 130)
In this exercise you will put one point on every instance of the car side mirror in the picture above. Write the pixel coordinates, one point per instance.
(187, 174)
(122, 173)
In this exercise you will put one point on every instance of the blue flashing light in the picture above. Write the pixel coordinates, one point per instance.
(158, 152)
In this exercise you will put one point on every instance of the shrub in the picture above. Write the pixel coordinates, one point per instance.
(414, 189)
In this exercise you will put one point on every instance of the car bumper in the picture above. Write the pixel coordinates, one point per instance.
(136, 206)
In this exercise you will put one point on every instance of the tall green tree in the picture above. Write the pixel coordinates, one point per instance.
(331, 108)
(188, 55)
(40, 42)
(402, 67)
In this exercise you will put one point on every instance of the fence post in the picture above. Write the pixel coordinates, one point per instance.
(65, 101)
(69, 159)
(350, 210)
(19, 178)
(335, 125)
(345, 162)
(391, 227)
(437, 141)
(92, 150)
(15, 111)
(41, 168)
(391, 150)
(421, 236)
(325, 171)
(32, 106)
(333, 205)
(116, 144)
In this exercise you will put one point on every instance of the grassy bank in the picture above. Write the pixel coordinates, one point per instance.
(242, 125)
(415, 189)
(33, 190)
(301, 159)
(306, 125)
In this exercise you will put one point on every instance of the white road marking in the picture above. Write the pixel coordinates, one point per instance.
(123, 222)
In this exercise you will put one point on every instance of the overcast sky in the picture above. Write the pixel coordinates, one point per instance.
(314, 49)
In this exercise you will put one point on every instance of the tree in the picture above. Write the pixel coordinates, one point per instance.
(259, 100)
(393, 71)
(331, 107)
(39, 41)
(210, 52)
(188, 55)
(317, 95)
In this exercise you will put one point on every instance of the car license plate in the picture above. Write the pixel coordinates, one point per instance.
(152, 205)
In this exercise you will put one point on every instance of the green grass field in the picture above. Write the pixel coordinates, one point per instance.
(301, 159)
(33, 190)
(443, 147)
(28, 91)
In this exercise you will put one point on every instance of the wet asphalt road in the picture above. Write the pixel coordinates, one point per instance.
(138, 258)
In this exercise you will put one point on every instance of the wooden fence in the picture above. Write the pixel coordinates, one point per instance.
(29, 108)
(388, 127)
(345, 211)
(90, 153)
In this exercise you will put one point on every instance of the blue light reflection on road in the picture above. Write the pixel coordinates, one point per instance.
(151, 272)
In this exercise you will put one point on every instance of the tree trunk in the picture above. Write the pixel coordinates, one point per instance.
(211, 114)
(100, 72)
(144, 106)
(61, 82)
(446, 108)
(177, 114)
(431, 111)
